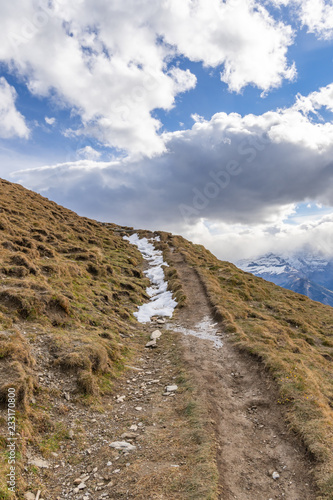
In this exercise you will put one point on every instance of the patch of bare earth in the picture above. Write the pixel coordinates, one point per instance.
(253, 439)
(75, 460)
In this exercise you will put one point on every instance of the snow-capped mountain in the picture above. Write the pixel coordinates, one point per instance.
(304, 273)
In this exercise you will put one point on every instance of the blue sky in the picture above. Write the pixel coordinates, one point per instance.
(123, 111)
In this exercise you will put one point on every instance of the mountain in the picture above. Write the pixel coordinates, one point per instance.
(307, 274)
(75, 354)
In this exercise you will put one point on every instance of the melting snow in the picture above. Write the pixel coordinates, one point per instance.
(161, 302)
(203, 330)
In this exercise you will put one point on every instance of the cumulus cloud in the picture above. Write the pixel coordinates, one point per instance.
(88, 153)
(230, 169)
(235, 242)
(112, 62)
(50, 121)
(316, 15)
(239, 34)
(12, 122)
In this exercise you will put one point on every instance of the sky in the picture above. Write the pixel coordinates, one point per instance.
(207, 118)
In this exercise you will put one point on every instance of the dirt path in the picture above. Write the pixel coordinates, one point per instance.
(253, 440)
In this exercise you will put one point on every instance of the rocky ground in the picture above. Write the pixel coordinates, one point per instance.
(149, 440)
(134, 444)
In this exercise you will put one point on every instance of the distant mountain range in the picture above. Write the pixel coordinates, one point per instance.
(304, 273)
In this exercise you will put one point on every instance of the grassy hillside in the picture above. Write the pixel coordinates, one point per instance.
(72, 284)
(74, 280)
(291, 334)
(68, 274)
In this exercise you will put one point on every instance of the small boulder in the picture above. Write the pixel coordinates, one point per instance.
(155, 335)
(171, 388)
(151, 344)
(28, 495)
(39, 462)
(122, 445)
(129, 435)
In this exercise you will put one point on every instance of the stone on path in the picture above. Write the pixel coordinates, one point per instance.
(39, 462)
(122, 445)
(171, 388)
(155, 335)
(28, 495)
(151, 344)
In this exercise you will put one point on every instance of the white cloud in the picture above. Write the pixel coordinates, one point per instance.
(12, 122)
(50, 121)
(88, 153)
(312, 103)
(235, 242)
(239, 34)
(111, 62)
(316, 15)
(231, 169)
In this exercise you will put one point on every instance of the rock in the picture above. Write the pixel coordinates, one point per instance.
(77, 481)
(151, 344)
(133, 427)
(160, 321)
(138, 408)
(71, 434)
(156, 335)
(81, 486)
(129, 435)
(28, 495)
(67, 396)
(122, 445)
(171, 388)
(120, 399)
(275, 475)
(39, 462)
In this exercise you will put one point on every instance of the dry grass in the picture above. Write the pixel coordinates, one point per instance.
(70, 277)
(290, 334)
(67, 273)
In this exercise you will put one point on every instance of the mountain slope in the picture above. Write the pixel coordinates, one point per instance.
(68, 339)
(304, 274)
(69, 288)
(290, 334)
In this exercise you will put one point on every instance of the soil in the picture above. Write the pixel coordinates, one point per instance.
(242, 400)
(252, 438)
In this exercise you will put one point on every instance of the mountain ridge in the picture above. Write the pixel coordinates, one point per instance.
(301, 273)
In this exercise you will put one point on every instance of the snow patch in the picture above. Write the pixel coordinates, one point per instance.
(204, 330)
(161, 302)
